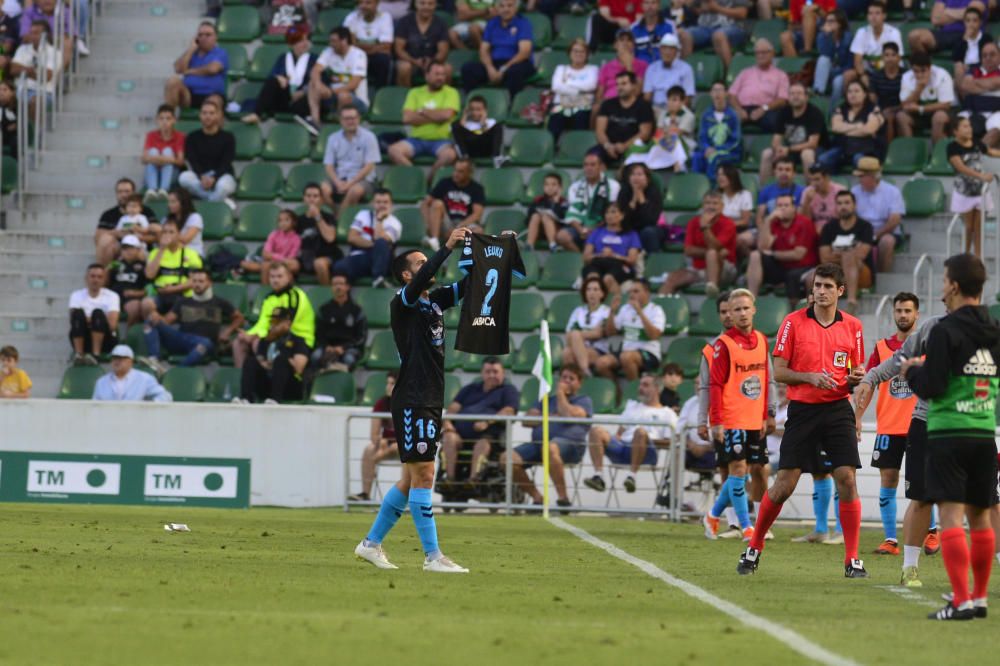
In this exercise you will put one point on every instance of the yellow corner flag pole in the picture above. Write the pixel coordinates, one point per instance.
(543, 371)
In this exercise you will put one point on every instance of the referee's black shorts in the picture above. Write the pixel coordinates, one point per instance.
(916, 460)
(962, 469)
(819, 437)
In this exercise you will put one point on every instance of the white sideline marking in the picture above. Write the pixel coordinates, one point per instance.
(908, 594)
(792, 639)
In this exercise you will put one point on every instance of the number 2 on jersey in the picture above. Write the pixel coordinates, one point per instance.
(492, 279)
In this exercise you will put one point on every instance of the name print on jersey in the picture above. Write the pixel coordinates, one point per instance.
(491, 263)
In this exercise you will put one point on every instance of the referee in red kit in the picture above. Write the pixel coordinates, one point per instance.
(820, 355)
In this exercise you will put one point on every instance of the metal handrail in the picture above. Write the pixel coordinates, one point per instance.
(924, 259)
(880, 314)
(956, 219)
(22, 140)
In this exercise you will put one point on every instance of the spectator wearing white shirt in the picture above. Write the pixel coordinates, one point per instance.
(35, 50)
(881, 205)
(867, 46)
(926, 94)
(633, 445)
(585, 336)
(125, 383)
(372, 236)
(350, 158)
(737, 201)
(93, 318)
(667, 72)
(574, 86)
(373, 32)
(641, 323)
(348, 72)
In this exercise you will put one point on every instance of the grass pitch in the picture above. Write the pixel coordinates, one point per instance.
(106, 585)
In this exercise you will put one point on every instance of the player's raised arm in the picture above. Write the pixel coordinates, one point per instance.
(425, 275)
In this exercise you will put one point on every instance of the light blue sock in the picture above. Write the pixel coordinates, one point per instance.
(724, 499)
(737, 490)
(934, 517)
(836, 510)
(887, 506)
(393, 506)
(422, 510)
(822, 491)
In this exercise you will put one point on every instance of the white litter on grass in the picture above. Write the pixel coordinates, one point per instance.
(176, 527)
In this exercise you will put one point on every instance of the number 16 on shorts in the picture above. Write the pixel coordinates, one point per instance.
(417, 430)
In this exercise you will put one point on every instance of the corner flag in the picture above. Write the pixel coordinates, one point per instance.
(543, 371)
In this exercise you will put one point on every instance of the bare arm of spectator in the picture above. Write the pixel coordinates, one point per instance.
(208, 69)
(588, 253)
(736, 13)
(523, 54)
(235, 324)
(970, 85)
(622, 23)
(827, 255)
(182, 63)
(351, 85)
(441, 55)
(474, 217)
(399, 50)
(355, 239)
(811, 143)
(564, 407)
(486, 57)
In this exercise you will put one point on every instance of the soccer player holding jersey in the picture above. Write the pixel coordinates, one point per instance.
(741, 415)
(417, 401)
(958, 378)
(893, 414)
(819, 354)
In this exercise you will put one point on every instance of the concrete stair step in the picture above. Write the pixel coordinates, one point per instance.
(61, 281)
(40, 241)
(44, 262)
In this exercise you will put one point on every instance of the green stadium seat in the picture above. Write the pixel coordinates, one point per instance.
(257, 220)
(238, 24)
(324, 134)
(299, 176)
(328, 19)
(707, 69)
(413, 225)
(923, 197)
(9, 167)
(345, 216)
(560, 308)
(457, 58)
(374, 388)
(938, 164)
(263, 61)
(753, 146)
(568, 28)
(374, 302)
(78, 382)
(708, 322)
(685, 191)
(541, 29)
(185, 384)
(382, 354)
(233, 247)
(771, 311)
(497, 100)
(527, 309)
(547, 62)
(686, 352)
(531, 147)
(406, 183)
(387, 106)
(503, 186)
(238, 60)
(791, 65)
(531, 271)
(739, 62)
(560, 271)
(661, 263)
(537, 181)
(260, 182)
(135, 339)
(573, 145)
(217, 217)
(257, 303)
(239, 93)
(504, 219)
(702, 103)
(332, 388)
(677, 311)
(907, 155)
(287, 142)
(249, 141)
(769, 29)
(529, 394)
(234, 292)
(527, 353)
(224, 385)
(474, 362)
(602, 393)
(318, 295)
(521, 101)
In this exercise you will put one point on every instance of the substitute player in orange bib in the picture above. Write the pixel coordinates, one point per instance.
(820, 356)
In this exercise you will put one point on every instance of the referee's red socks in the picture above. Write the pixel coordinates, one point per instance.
(850, 521)
(955, 552)
(767, 513)
(983, 546)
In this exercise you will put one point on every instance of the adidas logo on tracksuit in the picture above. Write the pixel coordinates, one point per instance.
(981, 363)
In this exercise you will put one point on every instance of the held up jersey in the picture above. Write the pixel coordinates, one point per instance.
(491, 262)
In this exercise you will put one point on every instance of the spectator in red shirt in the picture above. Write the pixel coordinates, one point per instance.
(163, 154)
(710, 243)
(611, 17)
(382, 444)
(804, 17)
(786, 250)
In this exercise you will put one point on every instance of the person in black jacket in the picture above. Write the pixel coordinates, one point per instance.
(341, 329)
(210, 152)
(642, 203)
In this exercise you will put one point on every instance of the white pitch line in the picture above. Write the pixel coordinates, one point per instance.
(909, 595)
(790, 638)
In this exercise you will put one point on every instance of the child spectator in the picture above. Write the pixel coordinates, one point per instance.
(127, 278)
(965, 155)
(547, 211)
(14, 382)
(133, 222)
(673, 138)
(611, 252)
(476, 134)
(673, 377)
(282, 245)
(163, 154)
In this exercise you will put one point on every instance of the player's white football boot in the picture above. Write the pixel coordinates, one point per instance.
(375, 555)
(443, 565)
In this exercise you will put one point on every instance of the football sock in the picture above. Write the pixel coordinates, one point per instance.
(837, 527)
(850, 514)
(955, 553)
(422, 510)
(822, 491)
(766, 515)
(731, 518)
(738, 494)
(934, 518)
(911, 555)
(981, 557)
(723, 500)
(887, 506)
(393, 506)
